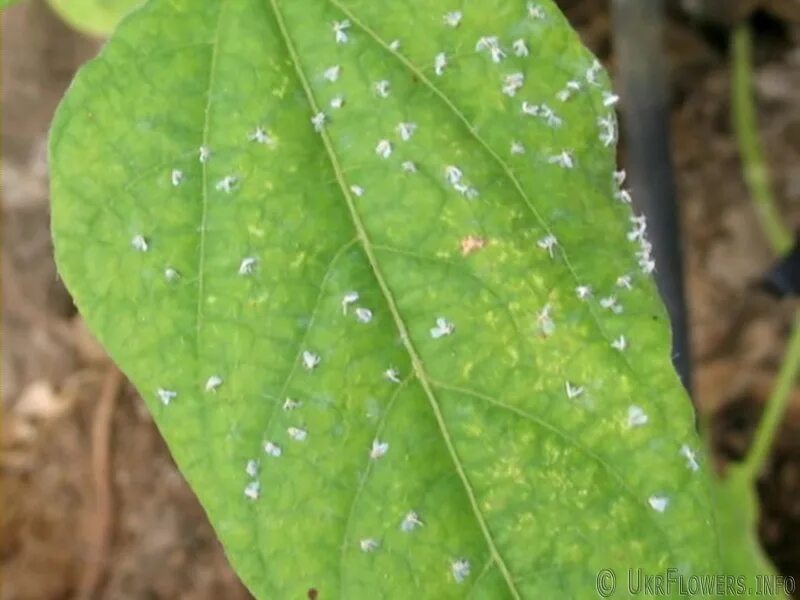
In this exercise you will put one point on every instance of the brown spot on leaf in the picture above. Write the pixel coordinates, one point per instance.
(471, 244)
(313, 594)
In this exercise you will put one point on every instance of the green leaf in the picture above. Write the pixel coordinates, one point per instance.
(736, 505)
(94, 17)
(7, 3)
(532, 436)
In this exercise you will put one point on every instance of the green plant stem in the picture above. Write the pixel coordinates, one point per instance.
(779, 237)
(746, 127)
(777, 404)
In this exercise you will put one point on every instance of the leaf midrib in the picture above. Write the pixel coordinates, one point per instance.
(393, 309)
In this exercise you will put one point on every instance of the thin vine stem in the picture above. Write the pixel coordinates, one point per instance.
(776, 406)
(746, 127)
(778, 236)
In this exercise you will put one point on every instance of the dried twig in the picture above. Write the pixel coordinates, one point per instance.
(99, 521)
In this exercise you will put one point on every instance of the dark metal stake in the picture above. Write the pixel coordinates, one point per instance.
(639, 51)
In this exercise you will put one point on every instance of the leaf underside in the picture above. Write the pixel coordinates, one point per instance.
(472, 424)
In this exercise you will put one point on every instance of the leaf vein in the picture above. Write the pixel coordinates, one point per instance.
(363, 483)
(570, 441)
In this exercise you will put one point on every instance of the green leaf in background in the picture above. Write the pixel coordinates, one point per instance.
(737, 512)
(94, 17)
(369, 265)
(6, 3)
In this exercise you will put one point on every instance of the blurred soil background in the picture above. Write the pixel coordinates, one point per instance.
(65, 407)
